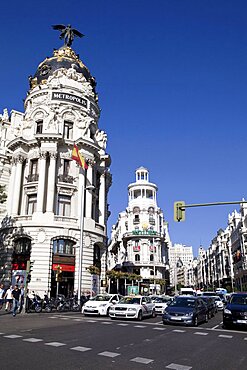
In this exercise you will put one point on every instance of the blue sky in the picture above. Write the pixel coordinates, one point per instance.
(172, 84)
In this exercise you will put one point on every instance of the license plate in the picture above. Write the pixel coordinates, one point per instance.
(90, 309)
(242, 321)
(176, 318)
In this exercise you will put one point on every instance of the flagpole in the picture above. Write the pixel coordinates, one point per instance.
(83, 195)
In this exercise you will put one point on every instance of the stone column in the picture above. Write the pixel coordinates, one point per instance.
(102, 200)
(41, 183)
(89, 195)
(51, 183)
(11, 187)
(17, 185)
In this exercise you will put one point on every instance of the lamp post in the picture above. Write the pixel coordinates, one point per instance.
(177, 265)
(83, 197)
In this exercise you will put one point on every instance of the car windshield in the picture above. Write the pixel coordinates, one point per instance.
(101, 297)
(239, 299)
(183, 302)
(209, 294)
(161, 300)
(130, 300)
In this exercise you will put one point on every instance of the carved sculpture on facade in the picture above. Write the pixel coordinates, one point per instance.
(101, 138)
(4, 116)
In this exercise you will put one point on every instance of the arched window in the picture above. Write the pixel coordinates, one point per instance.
(137, 258)
(22, 246)
(63, 246)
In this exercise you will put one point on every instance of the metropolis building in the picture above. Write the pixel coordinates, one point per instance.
(140, 239)
(41, 221)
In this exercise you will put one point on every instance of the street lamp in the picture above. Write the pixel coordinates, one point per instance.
(90, 187)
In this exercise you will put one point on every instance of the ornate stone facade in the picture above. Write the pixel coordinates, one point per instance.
(41, 218)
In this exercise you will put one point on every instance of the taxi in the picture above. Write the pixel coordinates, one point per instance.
(100, 304)
(133, 307)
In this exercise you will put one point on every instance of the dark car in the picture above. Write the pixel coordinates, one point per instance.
(211, 305)
(235, 312)
(187, 310)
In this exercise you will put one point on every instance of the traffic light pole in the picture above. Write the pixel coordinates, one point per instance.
(179, 207)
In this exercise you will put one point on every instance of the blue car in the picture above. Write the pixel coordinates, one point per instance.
(186, 310)
(235, 312)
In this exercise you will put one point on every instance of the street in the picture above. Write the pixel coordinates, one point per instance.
(72, 341)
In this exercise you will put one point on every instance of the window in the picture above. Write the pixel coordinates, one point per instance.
(137, 194)
(33, 173)
(137, 257)
(31, 204)
(149, 194)
(151, 257)
(39, 126)
(66, 165)
(68, 130)
(22, 246)
(63, 205)
(63, 246)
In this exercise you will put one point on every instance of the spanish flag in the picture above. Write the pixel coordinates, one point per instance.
(76, 155)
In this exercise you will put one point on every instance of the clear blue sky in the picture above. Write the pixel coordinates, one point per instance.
(172, 87)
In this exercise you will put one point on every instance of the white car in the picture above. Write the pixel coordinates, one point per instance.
(133, 307)
(219, 303)
(161, 303)
(100, 304)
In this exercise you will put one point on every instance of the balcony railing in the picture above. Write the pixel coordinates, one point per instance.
(33, 177)
(65, 178)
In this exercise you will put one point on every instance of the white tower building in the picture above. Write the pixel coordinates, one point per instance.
(41, 221)
(140, 239)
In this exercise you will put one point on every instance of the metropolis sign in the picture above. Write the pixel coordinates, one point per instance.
(70, 98)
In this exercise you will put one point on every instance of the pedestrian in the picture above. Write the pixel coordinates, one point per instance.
(16, 294)
(2, 293)
(8, 298)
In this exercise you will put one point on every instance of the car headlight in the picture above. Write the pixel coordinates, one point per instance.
(131, 309)
(103, 305)
(227, 311)
(189, 314)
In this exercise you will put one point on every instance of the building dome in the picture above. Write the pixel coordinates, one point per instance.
(64, 57)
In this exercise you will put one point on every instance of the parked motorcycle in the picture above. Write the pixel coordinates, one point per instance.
(47, 304)
(34, 303)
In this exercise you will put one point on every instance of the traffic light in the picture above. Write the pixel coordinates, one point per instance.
(29, 270)
(179, 211)
(59, 273)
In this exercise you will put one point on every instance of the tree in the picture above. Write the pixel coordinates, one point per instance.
(3, 195)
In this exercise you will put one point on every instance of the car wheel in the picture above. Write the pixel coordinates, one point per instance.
(107, 311)
(154, 314)
(139, 318)
(195, 322)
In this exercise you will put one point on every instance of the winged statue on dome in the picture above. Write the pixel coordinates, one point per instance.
(67, 33)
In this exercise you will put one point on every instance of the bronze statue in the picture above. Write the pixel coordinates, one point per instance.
(67, 33)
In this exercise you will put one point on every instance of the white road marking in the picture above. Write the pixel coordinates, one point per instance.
(53, 317)
(91, 321)
(64, 318)
(245, 338)
(106, 323)
(123, 324)
(225, 336)
(200, 333)
(216, 326)
(2, 333)
(178, 331)
(139, 326)
(108, 354)
(78, 320)
(159, 328)
(142, 360)
(81, 349)
(13, 336)
(32, 340)
(55, 344)
(178, 367)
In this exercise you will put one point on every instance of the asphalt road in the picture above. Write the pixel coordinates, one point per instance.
(72, 341)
